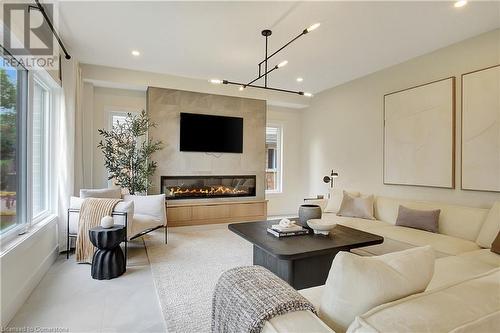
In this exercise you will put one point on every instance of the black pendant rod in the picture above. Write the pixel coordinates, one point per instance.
(281, 48)
(266, 33)
(265, 67)
(46, 17)
(261, 75)
(262, 87)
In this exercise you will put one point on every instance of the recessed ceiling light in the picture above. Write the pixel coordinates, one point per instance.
(241, 88)
(460, 3)
(299, 79)
(215, 81)
(308, 94)
(136, 53)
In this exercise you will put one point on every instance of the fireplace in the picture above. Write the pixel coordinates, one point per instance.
(203, 187)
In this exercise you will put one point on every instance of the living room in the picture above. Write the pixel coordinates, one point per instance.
(153, 154)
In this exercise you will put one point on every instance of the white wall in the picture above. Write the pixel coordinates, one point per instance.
(105, 101)
(343, 128)
(97, 103)
(23, 265)
(287, 202)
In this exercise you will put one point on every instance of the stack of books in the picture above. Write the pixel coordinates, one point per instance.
(282, 231)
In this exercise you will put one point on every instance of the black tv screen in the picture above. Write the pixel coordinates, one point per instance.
(207, 133)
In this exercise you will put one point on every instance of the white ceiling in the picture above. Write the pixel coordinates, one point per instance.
(222, 39)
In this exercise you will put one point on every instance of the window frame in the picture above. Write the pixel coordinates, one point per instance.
(122, 112)
(279, 158)
(41, 79)
(23, 100)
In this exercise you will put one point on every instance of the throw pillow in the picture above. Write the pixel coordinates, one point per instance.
(152, 205)
(335, 200)
(112, 193)
(357, 284)
(495, 246)
(427, 220)
(361, 207)
(490, 228)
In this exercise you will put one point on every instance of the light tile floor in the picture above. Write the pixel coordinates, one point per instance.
(68, 298)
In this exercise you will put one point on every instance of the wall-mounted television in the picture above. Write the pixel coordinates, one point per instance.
(208, 133)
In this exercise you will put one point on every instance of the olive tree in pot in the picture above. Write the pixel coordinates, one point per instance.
(127, 152)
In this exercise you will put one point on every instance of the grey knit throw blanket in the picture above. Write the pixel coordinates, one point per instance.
(245, 297)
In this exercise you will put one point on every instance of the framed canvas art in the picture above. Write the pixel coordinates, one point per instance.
(481, 130)
(419, 135)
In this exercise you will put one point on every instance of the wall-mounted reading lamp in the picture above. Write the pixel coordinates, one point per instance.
(331, 179)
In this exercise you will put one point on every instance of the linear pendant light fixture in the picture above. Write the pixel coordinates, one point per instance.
(264, 71)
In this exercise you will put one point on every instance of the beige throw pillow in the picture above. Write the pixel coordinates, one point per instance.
(427, 220)
(361, 207)
(336, 196)
(357, 284)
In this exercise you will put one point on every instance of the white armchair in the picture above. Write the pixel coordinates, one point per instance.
(140, 214)
(149, 214)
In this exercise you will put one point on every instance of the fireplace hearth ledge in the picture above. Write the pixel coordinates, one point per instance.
(213, 211)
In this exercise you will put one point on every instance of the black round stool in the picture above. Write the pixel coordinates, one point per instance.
(108, 261)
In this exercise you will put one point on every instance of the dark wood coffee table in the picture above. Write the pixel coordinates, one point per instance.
(303, 261)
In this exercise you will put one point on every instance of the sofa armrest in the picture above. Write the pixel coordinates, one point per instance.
(298, 321)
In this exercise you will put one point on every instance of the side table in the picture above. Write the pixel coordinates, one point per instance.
(108, 261)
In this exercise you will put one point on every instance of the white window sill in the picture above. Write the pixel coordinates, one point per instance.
(274, 193)
(10, 242)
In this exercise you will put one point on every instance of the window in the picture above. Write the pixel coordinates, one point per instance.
(273, 159)
(39, 154)
(117, 117)
(13, 102)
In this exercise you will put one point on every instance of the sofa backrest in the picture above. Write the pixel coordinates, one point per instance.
(457, 221)
(469, 306)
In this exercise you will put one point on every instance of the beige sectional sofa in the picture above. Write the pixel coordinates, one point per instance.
(464, 293)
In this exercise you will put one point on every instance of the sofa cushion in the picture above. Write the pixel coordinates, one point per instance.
(490, 227)
(361, 207)
(313, 295)
(336, 196)
(113, 193)
(461, 307)
(441, 243)
(356, 284)
(483, 255)
(453, 269)
(297, 321)
(354, 222)
(457, 221)
(427, 220)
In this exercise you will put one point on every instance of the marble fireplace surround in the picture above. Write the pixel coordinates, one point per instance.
(164, 107)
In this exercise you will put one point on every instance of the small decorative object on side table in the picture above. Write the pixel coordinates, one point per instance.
(108, 261)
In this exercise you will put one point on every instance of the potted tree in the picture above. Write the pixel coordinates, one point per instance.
(127, 152)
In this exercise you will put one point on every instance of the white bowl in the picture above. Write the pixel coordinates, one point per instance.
(321, 227)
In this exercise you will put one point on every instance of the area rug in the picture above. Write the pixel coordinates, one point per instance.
(186, 270)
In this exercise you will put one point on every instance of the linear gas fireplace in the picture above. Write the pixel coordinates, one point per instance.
(203, 187)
